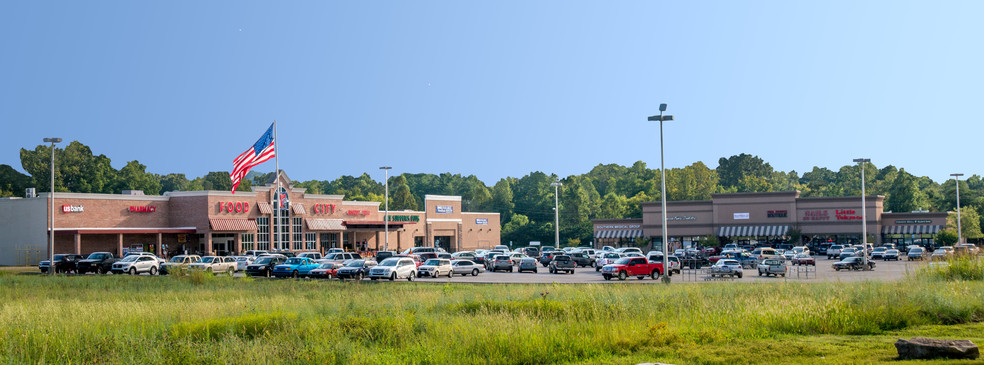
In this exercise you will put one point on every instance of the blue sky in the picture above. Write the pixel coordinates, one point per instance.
(497, 88)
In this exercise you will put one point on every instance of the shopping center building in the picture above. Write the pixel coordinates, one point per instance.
(749, 218)
(220, 222)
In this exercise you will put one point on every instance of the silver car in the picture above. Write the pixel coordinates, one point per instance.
(727, 267)
(527, 264)
(465, 267)
(394, 268)
(136, 264)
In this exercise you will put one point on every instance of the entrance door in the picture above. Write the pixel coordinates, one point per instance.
(443, 242)
(222, 243)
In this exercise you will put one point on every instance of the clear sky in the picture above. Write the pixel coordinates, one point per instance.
(496, 88)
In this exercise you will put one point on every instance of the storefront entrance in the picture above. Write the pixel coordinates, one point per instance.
(443, 242)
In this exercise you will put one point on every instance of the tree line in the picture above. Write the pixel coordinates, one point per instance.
(526, 204)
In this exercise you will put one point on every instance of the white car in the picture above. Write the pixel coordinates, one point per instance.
(313, 255)
(435, 268)
(801, 249)
(625, 250)
(342, 257)
(242, 262)
(656, 256)
(463, 255)
(215, 264)
(136, 264)
(606, 259)
(728, 267)
(394, 268)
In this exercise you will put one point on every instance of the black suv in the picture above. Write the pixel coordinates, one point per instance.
(97, 263)
(581, 259)
(263, 266)
(63, 263)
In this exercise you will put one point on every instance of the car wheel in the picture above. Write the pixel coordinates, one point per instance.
(328, 276)
(450, 274)
(739, 275)
(607, 277)
(133, 271)
(760, 273)
(622, 275)
(640, 277)
(534, 271)
(230, 271)
(266, 273)
(358, 276)
(294, 274)
(410, 278)
(551, 270)
(474, 272)
(653, 275)
(153, 271)
(594, 264)
(392, 276)
(597, 269)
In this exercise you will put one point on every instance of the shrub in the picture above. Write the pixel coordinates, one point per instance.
(247, 326)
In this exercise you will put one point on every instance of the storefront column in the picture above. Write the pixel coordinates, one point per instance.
(238, 246)
(78, 243)
(377, 241)
(208, 244)
(119, 244)
(341, 239)
(159, 249)
(399, 241)
(317, 241)
(430, 237)
(458, 239)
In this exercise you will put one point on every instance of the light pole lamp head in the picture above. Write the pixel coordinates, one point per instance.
(660, 118)
(556, 184)
(52, 140)
(385, 168)
(662, 107)
(860, 160)
(956, 175)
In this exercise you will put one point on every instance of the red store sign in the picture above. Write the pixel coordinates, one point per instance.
(824, 215)
(357, 212)
(136, 209)
(324, 209)
(230, 207)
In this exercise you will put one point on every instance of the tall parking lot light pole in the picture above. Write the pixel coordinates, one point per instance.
(662, 192)
(556, 186)
(959, 232)
(386, 216)
(864, 215)
(51, 211)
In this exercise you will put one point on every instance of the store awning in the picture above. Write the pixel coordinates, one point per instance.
(264, 208)
(374, 224)
(232, 224)
(622, 233)
(752, 231)
(322, 224)
(912, 229)
(298, 208)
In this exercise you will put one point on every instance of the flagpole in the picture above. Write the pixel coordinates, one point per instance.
(276, 194)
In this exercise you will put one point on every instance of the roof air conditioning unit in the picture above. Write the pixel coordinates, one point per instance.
(30, 193)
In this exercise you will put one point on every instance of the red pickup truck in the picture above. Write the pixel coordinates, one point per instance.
(632, 266)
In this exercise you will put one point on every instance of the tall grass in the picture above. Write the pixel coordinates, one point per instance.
(115, 319)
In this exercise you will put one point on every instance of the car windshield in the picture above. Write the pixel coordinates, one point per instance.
(389, 262)
(129, 258)
(263, 260)
(939, 250)
(612, 256)
(432, 262)
(97, 256)
(622, 261)
(562, 258)
(294, 261)
(355, 263)
(209, 259)
(728, 262)
(326, 265)
(501, 258)
(177, 259)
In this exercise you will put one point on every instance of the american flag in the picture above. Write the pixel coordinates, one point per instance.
(263, 150)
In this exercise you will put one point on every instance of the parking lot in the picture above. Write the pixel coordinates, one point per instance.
(823, 272)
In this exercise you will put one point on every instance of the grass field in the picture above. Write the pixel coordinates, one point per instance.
(199, 319)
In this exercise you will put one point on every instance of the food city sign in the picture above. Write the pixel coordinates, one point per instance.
(137, 209)
(233, 207)
(825, 215)
(324, 209)
(72, 209)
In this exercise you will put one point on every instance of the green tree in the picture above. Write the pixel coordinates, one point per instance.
(753, 184)
(401, 198)
(12, 182)
(219, 180)
(502, 199)
(613, 206)
(731, 170)
(970, 222)
(904, 194)
(174, 182)
(945, 237)
(134, 176)
(76, 169)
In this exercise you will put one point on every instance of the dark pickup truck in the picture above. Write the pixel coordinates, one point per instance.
(97, 262)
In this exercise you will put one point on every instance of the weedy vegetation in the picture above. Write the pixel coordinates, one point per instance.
(219, 319)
